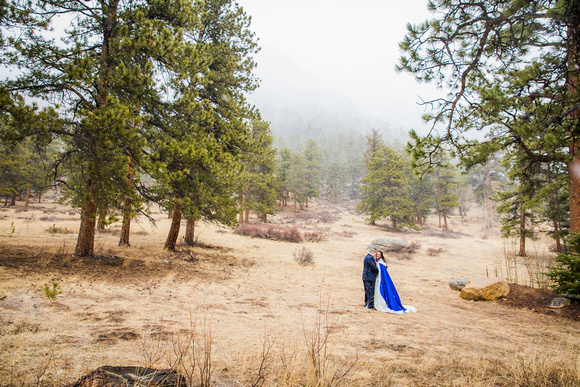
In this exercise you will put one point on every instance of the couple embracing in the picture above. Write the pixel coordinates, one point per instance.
(380, 292)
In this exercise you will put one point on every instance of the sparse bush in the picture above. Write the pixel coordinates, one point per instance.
(327, 217)
(270, 231)
(346, 233)
(48, 218)
(52, 291)
(413, 247)
(304, 256)
(316, 236)
(404, 256)
(59, 230)
(432, 251)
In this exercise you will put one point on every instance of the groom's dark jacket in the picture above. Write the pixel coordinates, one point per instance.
(370, 270)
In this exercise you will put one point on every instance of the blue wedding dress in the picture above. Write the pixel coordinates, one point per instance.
(386, 296)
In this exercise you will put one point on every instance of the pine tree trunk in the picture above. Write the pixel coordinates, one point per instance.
(489, 224)
(127, 207)
(295, 202)
(241, 209)
(247, 216)
(190, 232)
(27, 196)
(574, 166)
(522, 252)
(126, 227)
(174, 229)
(13, 198)
(445, 222)
(102, 219)
(86, 239)
(40, 197)
(557, 238)
(265, 217)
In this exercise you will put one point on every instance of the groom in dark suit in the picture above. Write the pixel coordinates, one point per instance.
(370, 272)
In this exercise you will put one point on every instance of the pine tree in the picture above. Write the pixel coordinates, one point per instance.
(313, 159)
(566, 273)
(261, 187)
(512, 69)
(385, 189)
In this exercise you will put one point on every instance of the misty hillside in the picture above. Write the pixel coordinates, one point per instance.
(300, 107)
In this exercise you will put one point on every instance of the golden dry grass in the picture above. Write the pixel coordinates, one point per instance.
(271, 321)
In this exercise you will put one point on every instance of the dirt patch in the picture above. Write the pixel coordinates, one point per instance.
(538, 300)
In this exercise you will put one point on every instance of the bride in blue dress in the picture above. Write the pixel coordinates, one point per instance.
(386, 296)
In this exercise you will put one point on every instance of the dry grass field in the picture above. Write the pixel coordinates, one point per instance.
(237, 311)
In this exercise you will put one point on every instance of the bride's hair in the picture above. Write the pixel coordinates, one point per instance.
(381, 254)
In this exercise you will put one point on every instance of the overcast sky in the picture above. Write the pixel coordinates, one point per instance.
(347, 48)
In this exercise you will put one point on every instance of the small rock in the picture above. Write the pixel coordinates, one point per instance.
(559, 303)
(458, 284)
(485, 288)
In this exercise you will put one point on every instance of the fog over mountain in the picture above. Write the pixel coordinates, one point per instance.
(298, 103)
(328, 66)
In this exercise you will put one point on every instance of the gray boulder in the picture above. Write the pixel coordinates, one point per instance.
(559, 303)
(388, 244)
(108, 376)
(458, 284)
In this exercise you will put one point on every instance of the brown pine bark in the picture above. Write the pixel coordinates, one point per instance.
(127, 209)
(574, 165)
(102, 219)
(557, 238)
(126, 227)
(171, 240)
(13, 198)
(522, 251)
(247, 216)
(489, 224)
(27, 196)
(190, 232)
(86, 239)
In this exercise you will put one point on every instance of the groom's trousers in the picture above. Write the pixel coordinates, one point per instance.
(369, 294)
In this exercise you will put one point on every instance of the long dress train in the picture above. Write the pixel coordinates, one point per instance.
(386, 296)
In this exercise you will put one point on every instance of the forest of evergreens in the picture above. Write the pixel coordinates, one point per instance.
(144, 102)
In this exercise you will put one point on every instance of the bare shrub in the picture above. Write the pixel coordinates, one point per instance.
(432, 251)
(413, 247)
(444, 234)
(188, 352)
(304, 256)
(111, 231)
(48, 218)
(270, 231)
(59, 230)
(316, 236)
(30, 219)
(327, 217)
(324, 369)
(346, 234)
